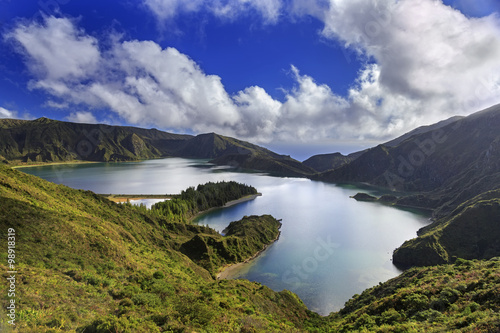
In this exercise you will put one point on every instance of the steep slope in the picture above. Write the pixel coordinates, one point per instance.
(445, 166)
(224, 150)
(45, 140)
(87, 264)
(471, 232)
(450, 298)
(326, 162)
(422, 130)
(242, 241)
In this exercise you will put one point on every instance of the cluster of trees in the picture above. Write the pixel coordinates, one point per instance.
(206, 196)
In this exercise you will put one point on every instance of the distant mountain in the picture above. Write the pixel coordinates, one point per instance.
(46, 140)
(452, 168)
(325, 162)
(439, 169)
(224, 150)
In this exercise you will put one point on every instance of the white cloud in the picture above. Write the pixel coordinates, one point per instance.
(269, 10)
(259, 114)
(427, 61)
(82, 117)
(431, 60)
(4, 113)
(56, 105)
(58, 49)
(167, 10)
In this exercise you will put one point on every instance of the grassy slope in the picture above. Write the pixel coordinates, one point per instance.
(444, 167)
(224, 150)
(46, 140)
(243, 239)
(463, 297)
(471, 232)
(85, 262)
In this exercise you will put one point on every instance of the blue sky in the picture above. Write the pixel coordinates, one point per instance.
(298, 76)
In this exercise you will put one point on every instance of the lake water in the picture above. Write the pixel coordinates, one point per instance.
(330, 248)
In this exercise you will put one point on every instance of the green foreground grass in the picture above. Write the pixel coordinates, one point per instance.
(86, 264)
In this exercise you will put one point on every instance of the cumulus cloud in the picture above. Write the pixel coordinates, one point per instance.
(84, 117)
(58, 49)
(148, 85)
(4, 113)
(423, 61)
(429, 56)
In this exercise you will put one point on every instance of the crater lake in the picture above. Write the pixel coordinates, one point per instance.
(330, 248)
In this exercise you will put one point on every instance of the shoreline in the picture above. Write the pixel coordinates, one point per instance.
(21, 166)
(129, 197)
(228, 204)
(226, 270)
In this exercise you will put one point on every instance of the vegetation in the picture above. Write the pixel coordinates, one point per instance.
(45, 140)
(87, 264)
(193, 201)
(243, 240)
(471, 232)
(463, 297)
(364, 197)
(439, 167)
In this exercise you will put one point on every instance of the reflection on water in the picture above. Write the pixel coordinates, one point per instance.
(331, 246)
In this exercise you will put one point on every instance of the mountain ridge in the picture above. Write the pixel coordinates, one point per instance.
(47, 140)
(447, 165)
(453, 165)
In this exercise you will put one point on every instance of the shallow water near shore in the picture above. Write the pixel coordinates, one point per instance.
(330, 248)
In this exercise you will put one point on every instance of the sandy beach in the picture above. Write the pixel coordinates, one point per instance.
(228, 270)
(130, 197)
(35, 164)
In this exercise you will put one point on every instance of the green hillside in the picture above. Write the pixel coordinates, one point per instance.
(87, 264)
(45, 140)
(463, 297)
(471, 232)
(223, 150)
(439, 168)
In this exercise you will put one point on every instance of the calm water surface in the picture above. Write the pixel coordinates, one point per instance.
(331, 246)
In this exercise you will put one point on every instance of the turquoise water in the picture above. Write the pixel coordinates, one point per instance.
(330, 248)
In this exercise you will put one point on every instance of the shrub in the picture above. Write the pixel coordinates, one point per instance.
(391, 317)
(147, 299)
